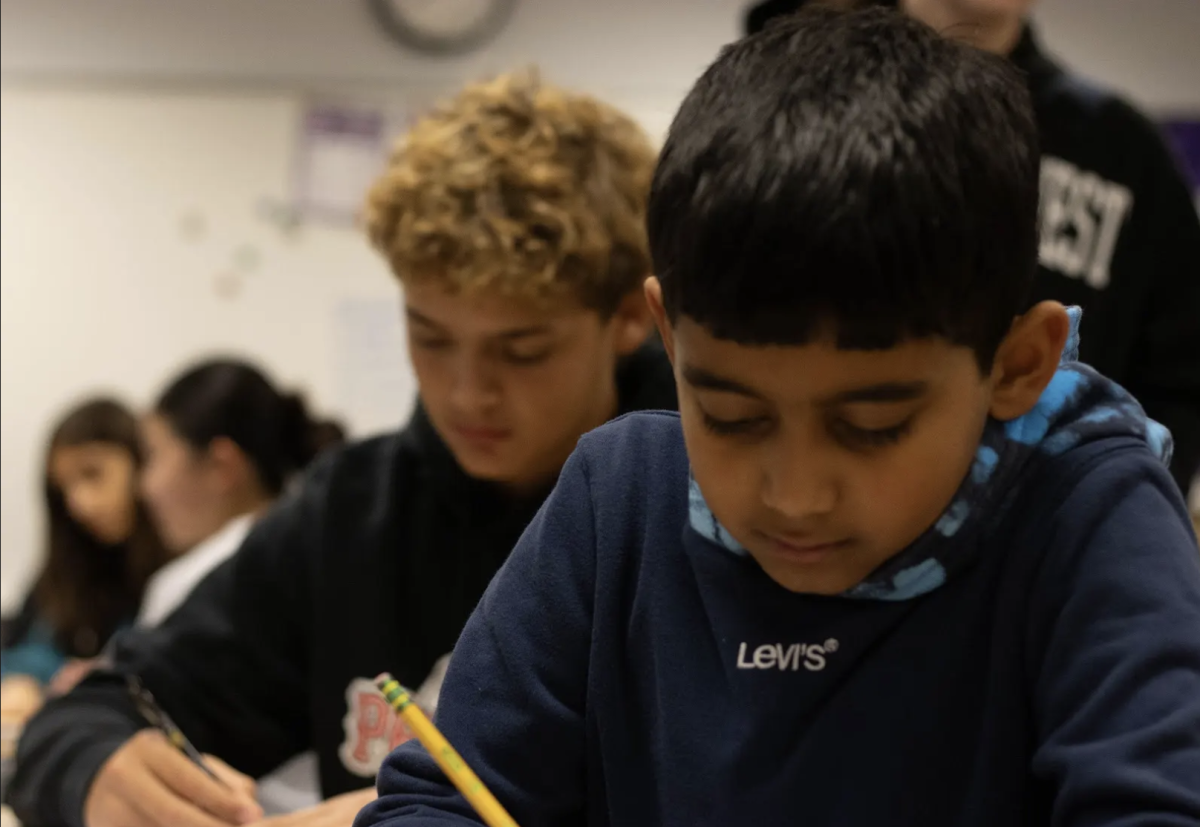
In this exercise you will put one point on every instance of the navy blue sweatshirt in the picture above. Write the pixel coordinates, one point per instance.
(623, 669)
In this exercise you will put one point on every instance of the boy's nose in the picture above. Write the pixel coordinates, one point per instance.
(475, 388)
(798, 487)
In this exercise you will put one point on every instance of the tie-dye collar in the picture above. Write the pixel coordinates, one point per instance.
(1078, 406)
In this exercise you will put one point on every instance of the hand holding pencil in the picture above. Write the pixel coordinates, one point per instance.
(467, 782)
(149, 782)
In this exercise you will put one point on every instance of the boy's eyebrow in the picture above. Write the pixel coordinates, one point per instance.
(883, 392)
(704, 379)
(419, 318)
(514, 333)
(698, 377)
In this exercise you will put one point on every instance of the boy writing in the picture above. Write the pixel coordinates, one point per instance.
(900, 560)
(514, 217)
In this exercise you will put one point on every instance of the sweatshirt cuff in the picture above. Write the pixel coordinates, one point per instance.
(79, 775)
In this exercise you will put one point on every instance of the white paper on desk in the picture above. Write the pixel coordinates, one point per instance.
(375, 382)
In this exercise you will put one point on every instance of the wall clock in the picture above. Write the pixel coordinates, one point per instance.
(442, 27)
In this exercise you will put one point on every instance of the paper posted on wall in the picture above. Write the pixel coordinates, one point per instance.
(374, 379)
(343, 147)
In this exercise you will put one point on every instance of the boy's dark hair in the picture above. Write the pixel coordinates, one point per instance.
(850, 173)
(759, 15)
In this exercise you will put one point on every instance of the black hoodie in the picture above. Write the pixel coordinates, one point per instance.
(373, 565)
(1120, 238)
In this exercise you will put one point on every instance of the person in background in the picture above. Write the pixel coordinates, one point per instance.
(221, 445)
(1120, 235)
(514, 217)
(101, 552)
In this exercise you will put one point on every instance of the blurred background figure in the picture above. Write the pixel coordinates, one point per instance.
(221, 444)
(101, 550)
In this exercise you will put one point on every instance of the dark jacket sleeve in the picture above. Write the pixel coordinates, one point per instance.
(518, 677)
(229, 666)
(1164, 370)
(1117, 690)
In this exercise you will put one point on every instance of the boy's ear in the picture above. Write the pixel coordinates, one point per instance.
(633, 322)
(228, 460)
(1027, 359)
(654, 300)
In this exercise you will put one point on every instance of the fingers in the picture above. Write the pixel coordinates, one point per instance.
(160, 806)
(111, 812)
(232, 804)
(234, 779)
(336, 812)
(70, 675)
(20, 697)
(127, 792)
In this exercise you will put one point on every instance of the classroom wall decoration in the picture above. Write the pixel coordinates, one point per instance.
(342, 147)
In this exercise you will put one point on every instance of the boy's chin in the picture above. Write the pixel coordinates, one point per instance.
(827, 578)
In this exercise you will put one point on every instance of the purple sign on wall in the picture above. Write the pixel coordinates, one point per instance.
(342, 149)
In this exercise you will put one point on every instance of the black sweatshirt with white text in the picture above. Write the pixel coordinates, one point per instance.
(1120, 237)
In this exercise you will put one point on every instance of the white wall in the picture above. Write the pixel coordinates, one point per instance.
(141, 138)
(121, 215)
(641, 48)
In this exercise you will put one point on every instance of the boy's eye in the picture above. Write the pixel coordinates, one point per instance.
(529, 356)
(733, 427)
(431, 344)
(856, 437)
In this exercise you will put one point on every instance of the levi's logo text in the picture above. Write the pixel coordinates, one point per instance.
(786, 657)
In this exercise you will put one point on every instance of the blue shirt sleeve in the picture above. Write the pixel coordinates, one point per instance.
(36, 656)
(513, 699)
(1117, 692)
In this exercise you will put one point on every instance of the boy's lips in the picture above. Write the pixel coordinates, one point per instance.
(481, 435)
(803, 549)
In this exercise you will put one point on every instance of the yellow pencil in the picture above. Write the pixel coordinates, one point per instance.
(448, 759)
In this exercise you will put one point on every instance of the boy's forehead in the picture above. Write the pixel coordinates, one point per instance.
(818, 368)
(484, 312)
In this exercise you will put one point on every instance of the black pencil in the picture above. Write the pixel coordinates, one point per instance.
(159, 719)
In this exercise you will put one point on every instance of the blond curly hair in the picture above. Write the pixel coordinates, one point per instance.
(521, 188)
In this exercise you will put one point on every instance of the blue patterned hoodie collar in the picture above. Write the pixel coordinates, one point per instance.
(1077, 407)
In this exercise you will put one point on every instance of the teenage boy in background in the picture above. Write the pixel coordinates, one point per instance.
(1120, 236)
(900, 561)
(514, 218)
